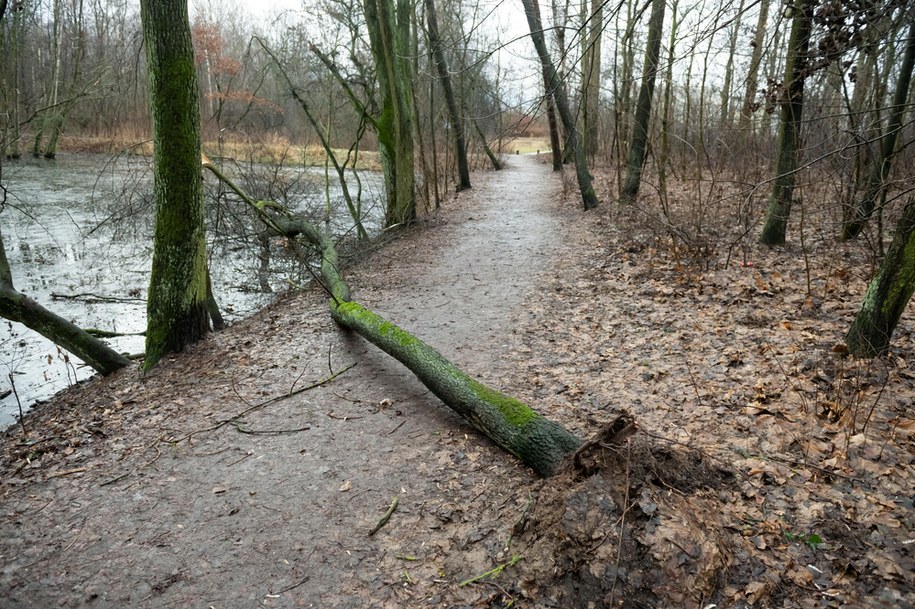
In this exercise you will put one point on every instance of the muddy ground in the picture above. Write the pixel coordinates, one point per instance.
(767, 469)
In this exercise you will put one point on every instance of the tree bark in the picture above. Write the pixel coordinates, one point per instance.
(454, 115)
(177, 306)
(388, 27)
(643, 106)
(555, 141)
(557, 89)
(888, 294)
(749, 98)
(18, 307)
(877, 182)
(788, 145)
(591, 75)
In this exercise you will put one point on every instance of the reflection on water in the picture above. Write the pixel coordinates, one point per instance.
(81, 226)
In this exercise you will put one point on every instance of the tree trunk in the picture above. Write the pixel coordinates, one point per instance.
(726, 115)
(454, 115)
(788, 146)
(511, 424)
(177, 306)
(555, 141)
(389, 35)
(18, 307)
(888, 294)
(591, 76)
(877, 183)
(557, 89)
(749, 98)
(643, 108)
(493, 159)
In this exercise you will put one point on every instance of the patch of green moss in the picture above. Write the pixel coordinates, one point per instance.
(385, 328)
(516, 412)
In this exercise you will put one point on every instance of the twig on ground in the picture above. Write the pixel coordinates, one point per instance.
(492, 572)
(267, 432)
(387, 516)
(252, 407)
(619, 547)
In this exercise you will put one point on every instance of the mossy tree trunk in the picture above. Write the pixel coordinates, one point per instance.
(388, 26)
(540, 443)
(888, 294)
(789, 131)
(18, 307)
(177, 305)
(876, 185)
(640, 127)
(558, 91)
(454, 114)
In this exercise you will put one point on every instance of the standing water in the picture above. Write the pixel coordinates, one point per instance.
(78, 235)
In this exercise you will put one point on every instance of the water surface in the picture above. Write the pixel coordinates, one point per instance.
(81, 226)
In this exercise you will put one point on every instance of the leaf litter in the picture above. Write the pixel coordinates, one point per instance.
(768, 469)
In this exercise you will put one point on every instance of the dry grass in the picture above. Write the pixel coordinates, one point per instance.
(270, 149)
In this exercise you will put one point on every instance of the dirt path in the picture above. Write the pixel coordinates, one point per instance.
(137, 493)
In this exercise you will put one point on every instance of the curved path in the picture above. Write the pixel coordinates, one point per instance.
(149, 499)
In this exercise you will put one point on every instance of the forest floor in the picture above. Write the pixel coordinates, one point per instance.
(768, 470)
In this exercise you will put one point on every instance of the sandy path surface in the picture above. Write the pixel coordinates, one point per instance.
(145, 497)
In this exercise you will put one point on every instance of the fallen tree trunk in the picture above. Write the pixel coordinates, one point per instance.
(540, 443)
(18, 307)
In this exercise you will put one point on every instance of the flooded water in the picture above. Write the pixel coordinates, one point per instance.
(78, 235)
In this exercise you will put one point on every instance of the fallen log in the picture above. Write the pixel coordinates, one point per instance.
(540, 443)
(18, 307)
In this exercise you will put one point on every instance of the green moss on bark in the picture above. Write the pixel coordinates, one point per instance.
(177, 312)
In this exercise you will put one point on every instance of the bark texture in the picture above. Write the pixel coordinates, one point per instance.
(643, 106)
(388, 26)
(789, 136)
(888, 294)
(177, 306)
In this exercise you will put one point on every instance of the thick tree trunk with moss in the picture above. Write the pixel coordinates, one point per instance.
(643, 106)
(177, 306)
(789, 132)
(876, 185)
(454, 115)
(18, 307)
(558, 91)
(537, 441)
(540, 443)
(389, 34)
(889, 292)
